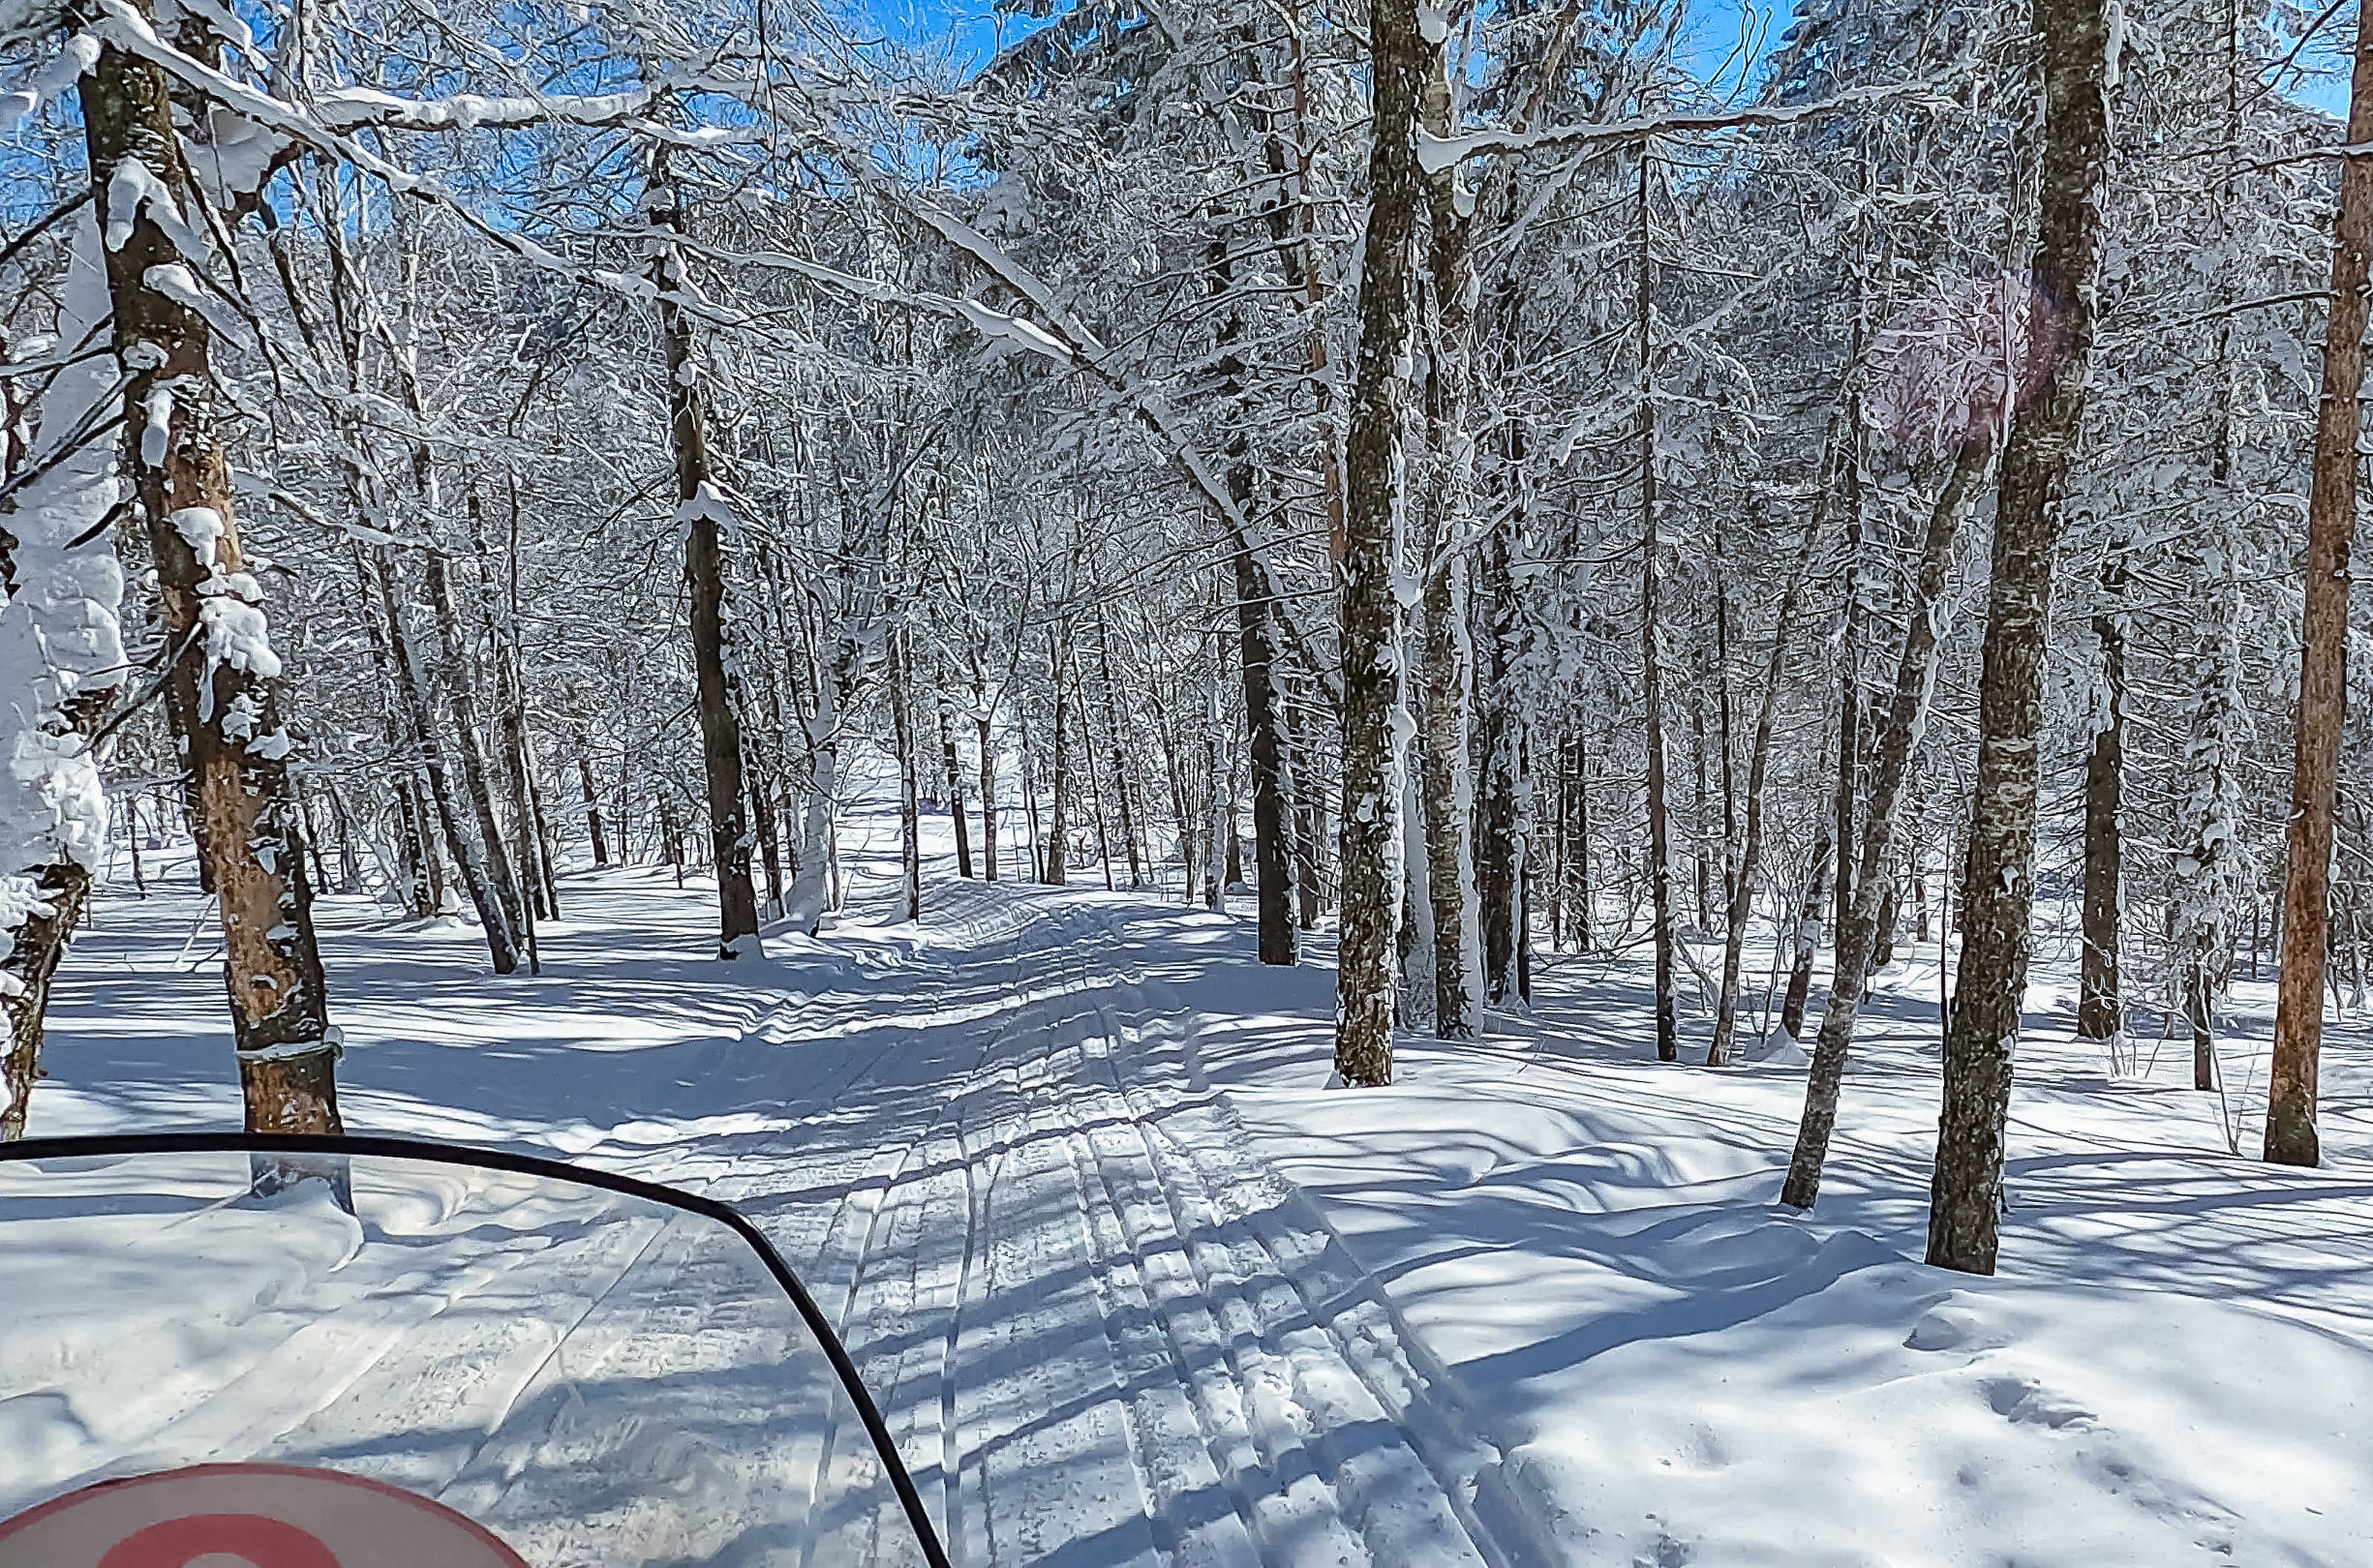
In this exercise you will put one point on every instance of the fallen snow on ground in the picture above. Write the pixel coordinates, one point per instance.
(1133, 1287)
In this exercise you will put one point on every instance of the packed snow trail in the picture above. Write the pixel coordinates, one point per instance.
(1115, 1317)
(1103, 1330)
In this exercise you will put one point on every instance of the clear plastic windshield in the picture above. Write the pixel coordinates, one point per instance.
(571, 1376)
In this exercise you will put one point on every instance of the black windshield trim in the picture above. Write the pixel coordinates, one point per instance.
(471, 1154)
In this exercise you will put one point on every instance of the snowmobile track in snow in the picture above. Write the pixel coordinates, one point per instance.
(1102, 1330)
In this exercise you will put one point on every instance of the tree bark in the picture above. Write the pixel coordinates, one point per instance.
(982, 723)
(1369, 845)
(1447, 759)
(1899, 742)
(1058, 823)
(1740, 878)
(1579, 842)
(593, 807)
(458, 682)
(1997, 890)
(2290, 1137)
(910, 784)
(1119, 750)
(39, 943)
(468, 849)
(702, 511)
(1272, 834)
(2099, 1015)
(221, 690)
(1847, 792)
(1807, 934)
(954, 767)
(1029, 785)
(1502, 856)
(1652, 663)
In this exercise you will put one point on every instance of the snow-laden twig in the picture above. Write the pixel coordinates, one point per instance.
(1437, 155)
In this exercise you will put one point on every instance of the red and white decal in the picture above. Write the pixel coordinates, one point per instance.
(262, 1516)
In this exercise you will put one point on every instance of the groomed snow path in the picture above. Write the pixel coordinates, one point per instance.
(1103, 1329)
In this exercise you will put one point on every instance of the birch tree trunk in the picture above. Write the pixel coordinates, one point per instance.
(2290, 1137)
(1997, 890)
(220, 694)
(1369, 843)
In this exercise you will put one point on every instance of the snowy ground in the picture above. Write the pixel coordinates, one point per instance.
(1133, 1287)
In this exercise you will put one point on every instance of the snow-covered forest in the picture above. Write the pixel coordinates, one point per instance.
(1555, 525)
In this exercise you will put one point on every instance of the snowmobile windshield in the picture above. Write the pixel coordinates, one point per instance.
(365, 1353)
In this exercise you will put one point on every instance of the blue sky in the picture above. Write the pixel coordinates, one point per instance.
(1715, 33)
(973, 26)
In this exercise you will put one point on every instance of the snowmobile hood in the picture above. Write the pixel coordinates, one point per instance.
(363, 1353)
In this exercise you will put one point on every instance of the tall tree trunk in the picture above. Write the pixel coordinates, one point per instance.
(703, 512)
(812, 881)
(1029, 785)
(1309, 817)
(1369, 846)
(61, 642)
(1701, 835)
(40, 942)
(1652, 663)
(1058, 823)
(1448, 760)
(458, 682)
(350, 863)
(511, 706)
(983, 720)
(1740, 878)
(592, 806)
(1273, 845)
(1119, 750)
(2323, 683)
(1501, 856)
(955, 769)
(910, 784)
(469, 848)
(1899, 741)
(1090, 791)
(1848, 794)
(1807, 934)
(1578, 841)
(220, 692)
(1997, 889)
(2099, 1014)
